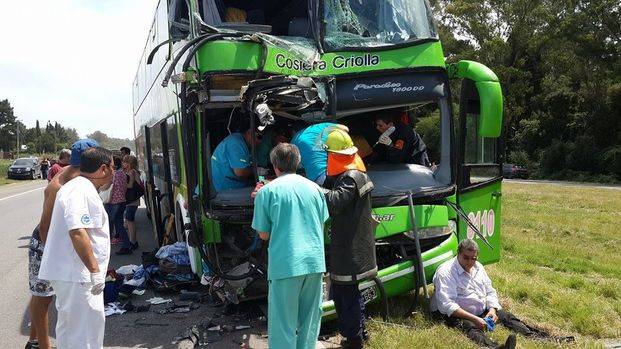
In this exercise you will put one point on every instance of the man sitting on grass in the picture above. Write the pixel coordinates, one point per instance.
(465, 298)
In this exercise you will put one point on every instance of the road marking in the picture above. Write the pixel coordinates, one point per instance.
(26, 192)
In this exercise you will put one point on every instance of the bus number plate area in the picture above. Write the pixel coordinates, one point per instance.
(368, 294)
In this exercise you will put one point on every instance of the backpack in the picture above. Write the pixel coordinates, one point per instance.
(135, 192)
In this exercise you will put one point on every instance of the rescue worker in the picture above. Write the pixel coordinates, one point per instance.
(290, 212)
(310, 141)
(42, 290)
(231, 162)
(77, 251)
(403, 144)
(352, 246)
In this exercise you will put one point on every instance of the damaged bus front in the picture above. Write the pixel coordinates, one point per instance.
(283, 63)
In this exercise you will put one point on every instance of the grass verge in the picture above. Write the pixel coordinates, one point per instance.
(4, 166)
(560, 269)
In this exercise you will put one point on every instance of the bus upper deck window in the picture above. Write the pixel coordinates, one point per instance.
(179, 19)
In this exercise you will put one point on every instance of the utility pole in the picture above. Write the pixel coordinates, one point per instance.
(17, 130)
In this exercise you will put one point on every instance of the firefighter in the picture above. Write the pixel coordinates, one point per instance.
(352, 246)
(402, 144)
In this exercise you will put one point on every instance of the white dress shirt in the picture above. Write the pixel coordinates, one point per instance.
(455, 288)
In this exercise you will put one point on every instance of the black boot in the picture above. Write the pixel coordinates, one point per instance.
(510, 342)
(351, 343)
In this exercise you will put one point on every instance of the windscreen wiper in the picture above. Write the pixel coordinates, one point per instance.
(464, 216)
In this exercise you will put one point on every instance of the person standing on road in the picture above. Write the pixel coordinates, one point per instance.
(77, 252)
(63, 160)
(116, 207)
(45, 165)
(352, 245)
(290, 212)
(42, 290)
(132, 196)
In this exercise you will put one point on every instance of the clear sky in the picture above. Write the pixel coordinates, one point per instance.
(73, 61)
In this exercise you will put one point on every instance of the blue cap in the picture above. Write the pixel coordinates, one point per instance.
(79, 147)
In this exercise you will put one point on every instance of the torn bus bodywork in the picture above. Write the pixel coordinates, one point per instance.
(423, 212)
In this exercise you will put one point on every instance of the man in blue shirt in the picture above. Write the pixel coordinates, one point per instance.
(310, 141)
(290, 212)
(231, 162)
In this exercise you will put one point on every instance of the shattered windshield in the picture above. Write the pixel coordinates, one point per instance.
(372, 23)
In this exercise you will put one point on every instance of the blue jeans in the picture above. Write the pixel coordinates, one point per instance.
(115, 220)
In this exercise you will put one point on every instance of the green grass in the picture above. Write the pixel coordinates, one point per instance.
(560, 269)
(4, 166)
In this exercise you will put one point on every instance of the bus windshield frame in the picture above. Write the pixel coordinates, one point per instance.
(349, 25)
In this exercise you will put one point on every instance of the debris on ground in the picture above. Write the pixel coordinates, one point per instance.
(158, 300)
(178, 308)
(113, 309)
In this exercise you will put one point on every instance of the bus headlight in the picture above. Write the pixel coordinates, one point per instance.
(431, 232)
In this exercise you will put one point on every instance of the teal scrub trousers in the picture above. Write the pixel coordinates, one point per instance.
(294, 312)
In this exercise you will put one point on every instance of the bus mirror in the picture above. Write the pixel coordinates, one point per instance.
(490, 96)
(488, 91)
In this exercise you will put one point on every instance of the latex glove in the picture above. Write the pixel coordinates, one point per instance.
(98, 283)
(385, 140)
(385, 137)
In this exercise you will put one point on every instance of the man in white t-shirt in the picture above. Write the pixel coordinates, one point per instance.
(77, 251)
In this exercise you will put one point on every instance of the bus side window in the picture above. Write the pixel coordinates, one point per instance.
(173, 148)
(480, 154)
(179, 19)
(157, 151)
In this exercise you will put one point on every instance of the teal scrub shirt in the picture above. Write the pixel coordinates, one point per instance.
(293, 210)
(231, 153)
(314, 157)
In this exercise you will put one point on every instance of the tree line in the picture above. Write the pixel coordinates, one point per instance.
(45, 140)
(559, 63)
(48, 139)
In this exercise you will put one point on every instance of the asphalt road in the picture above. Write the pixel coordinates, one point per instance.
(20, 208)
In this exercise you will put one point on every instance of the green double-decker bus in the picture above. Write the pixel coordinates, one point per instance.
(277, 63)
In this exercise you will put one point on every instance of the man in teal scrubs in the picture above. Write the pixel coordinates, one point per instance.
(314, 158)
(290, 212)
(231, 161)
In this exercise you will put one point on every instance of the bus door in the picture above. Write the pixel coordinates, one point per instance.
(167, 199)
(152, 193)
(479, 178)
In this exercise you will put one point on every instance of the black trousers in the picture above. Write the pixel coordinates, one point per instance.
(350, 311)
(504, 317)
